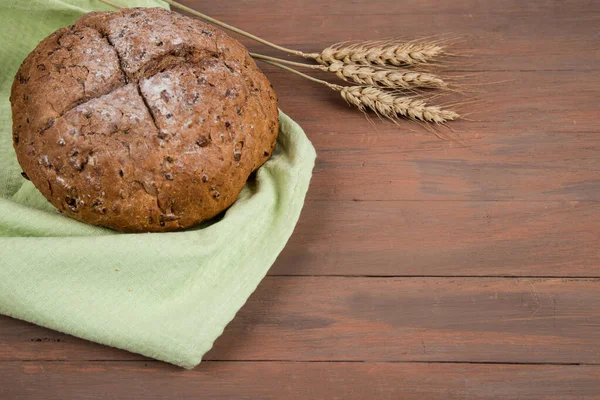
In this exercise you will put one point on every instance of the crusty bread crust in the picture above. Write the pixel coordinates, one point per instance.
(141, 120)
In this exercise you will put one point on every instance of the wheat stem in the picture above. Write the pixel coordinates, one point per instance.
(295, 71)
(233, 28)
(270, 60)
(288, 62)
(112, 4)
(219, 23)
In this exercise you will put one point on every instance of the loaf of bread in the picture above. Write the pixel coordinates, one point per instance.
(141, 120)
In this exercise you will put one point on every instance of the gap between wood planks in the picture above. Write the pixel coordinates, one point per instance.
(146, 362)
(299, 381)
(567, 278)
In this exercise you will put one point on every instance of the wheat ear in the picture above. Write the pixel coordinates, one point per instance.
(382, 77)
(380, 53)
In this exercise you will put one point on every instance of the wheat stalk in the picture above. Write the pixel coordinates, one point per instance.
(381, 53)
(228, 27)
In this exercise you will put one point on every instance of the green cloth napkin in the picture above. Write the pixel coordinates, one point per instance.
(164, 295)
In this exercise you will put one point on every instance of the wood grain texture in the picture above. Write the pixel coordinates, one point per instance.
(381, 319)
(444, 238)
(410, 248)
(297, 381)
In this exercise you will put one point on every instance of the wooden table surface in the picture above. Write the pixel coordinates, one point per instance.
(421, 268)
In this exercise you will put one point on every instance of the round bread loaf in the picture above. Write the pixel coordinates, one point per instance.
(141, 120)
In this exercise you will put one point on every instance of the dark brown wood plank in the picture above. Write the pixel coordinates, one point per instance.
(501, 35)
(275, 380)
(444, 238)
(565, 168)
(382, 319)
